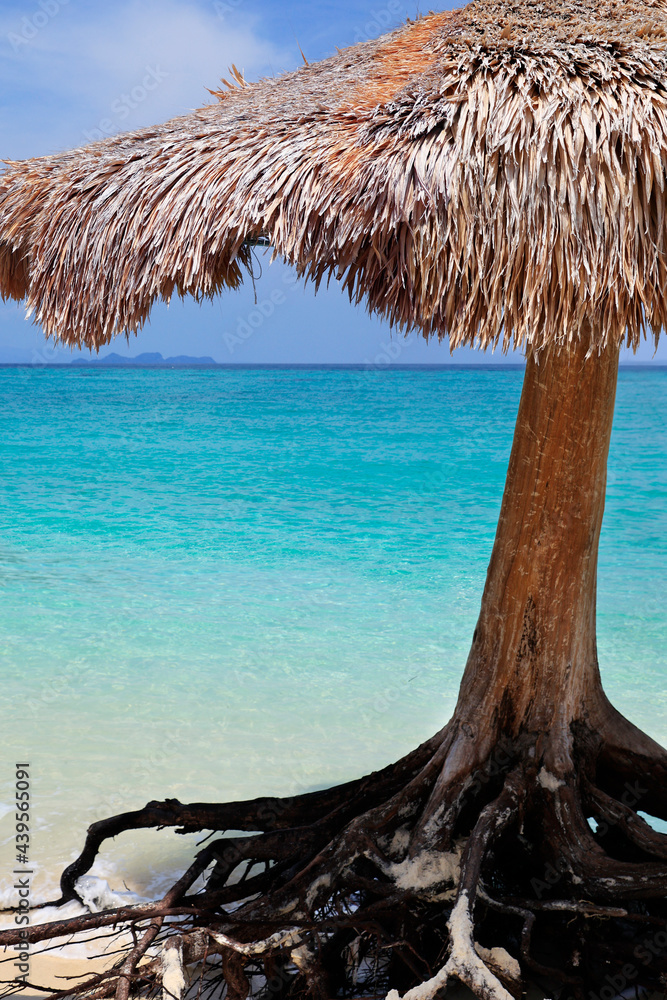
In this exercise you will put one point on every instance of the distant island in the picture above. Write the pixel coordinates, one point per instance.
(143, 360)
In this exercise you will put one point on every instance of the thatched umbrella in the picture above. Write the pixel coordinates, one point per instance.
(495, 175)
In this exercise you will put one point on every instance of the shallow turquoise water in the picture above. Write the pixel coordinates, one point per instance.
(221, 583)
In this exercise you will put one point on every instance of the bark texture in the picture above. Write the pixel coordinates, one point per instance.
(533, 663)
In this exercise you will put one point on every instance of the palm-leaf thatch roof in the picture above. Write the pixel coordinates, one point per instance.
(495, 174)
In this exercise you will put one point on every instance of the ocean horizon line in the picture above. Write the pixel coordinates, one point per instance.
(299, 366)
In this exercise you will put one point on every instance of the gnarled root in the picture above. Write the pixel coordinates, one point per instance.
(487, 862)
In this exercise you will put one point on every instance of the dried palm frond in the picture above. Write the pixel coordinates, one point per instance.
(495, 175)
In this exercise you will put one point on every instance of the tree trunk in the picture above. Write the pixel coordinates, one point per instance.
(533, 662)
(532, 670)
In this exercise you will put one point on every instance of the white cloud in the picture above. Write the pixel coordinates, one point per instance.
(127, 65)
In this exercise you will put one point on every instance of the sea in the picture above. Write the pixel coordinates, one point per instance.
(219, 583)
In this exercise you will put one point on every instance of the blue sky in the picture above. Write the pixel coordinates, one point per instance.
(73, 70)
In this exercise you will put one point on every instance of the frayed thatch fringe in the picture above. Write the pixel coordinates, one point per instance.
(496, 175)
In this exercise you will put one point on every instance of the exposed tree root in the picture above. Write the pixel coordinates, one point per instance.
(489, 873)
